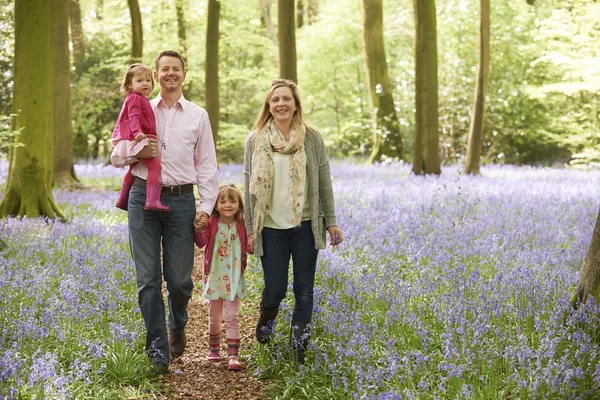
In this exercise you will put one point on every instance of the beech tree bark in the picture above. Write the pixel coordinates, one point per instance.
(426, 156)
(287, 40)
(137, 35)
(212, 66)
(76, 34)
(589, 283)
(475, 139)
(64, 172)
(385, 126)
(29, 186)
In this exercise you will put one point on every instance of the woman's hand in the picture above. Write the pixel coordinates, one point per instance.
(336, 235)
(251, 244)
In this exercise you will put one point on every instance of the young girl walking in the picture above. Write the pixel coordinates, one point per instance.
(224, 265)
(136, 123)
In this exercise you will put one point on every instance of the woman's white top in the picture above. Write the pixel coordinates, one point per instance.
(279, 216)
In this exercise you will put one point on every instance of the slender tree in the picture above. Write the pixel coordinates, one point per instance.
(212, 66)
(64, 173)
(589, 282)
(312, 11)
(29, 186)
(299, 14)
(99, 10)
(137, 35)
(180, 10)
(286, 34)
(385, 126)
(265, 6)
(181, 28)
(476, 130)
(76, 34)
(426, 156)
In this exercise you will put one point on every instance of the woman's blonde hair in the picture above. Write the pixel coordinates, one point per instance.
(265, 114)
(132, 70)
(229, 190)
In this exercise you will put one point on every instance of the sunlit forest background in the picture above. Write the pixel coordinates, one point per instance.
(542, 106)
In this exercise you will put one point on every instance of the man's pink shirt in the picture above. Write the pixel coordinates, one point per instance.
(186, 149)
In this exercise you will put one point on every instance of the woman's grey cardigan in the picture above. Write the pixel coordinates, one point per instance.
(320, 190)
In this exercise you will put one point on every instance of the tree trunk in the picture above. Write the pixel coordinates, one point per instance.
(287, 40)
(63, 131)
(312, 11)
(589, 283)
(180, 10)
(385, 127)
(99, 9)
(212, 66)
(29, 188)
(265, 6)
(426, 156)
(300, 14)
(476, 130)
(76, 34)
(137, 35)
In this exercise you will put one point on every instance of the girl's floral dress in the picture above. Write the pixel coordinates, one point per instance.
(225, 279)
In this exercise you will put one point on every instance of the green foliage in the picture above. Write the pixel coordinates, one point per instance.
(542, 96)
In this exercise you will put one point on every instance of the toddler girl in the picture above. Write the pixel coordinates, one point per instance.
(136, 123)
(224, 264)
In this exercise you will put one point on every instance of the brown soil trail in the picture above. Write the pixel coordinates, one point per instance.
(191, 376)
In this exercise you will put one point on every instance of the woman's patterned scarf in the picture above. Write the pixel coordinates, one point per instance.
(261, 180)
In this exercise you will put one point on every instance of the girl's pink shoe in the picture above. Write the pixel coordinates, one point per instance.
(233, 364)
(213, 356)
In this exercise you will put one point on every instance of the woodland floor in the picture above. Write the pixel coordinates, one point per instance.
(191, 376)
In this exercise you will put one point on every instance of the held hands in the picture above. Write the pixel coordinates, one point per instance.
(140, 136)
(336, 235)
(148, 151)
(201, 221)
(251, 244)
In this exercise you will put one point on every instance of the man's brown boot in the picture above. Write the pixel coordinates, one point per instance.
(176, 343)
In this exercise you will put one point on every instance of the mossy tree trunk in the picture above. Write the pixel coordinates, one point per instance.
(475, 139)
(286, 35)
(137, 35)
(589, 283)
(64, 173)
(385, 126)
(212, 66)
(426, 156)
(29, 186)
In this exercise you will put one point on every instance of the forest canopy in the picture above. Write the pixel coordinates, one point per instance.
(542, 104)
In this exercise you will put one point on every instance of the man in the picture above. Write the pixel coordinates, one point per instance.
(186, 150)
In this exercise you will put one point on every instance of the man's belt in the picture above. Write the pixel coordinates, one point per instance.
(176, 190)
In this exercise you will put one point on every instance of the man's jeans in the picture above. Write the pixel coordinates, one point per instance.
(278, 245)
(175, 231)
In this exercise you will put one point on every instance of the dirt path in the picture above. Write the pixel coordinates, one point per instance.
(191, 376)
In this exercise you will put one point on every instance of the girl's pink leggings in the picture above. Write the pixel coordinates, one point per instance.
(232, 317)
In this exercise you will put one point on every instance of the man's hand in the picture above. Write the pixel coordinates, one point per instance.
(148, 151)
(201, 221)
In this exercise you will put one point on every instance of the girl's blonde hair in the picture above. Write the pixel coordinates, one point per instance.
(265, 114)
(229, 190)
(132, 70)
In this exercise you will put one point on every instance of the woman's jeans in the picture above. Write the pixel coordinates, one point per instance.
(148, 230)
(278, 246)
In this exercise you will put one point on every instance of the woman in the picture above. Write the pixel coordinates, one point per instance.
(290, 205)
